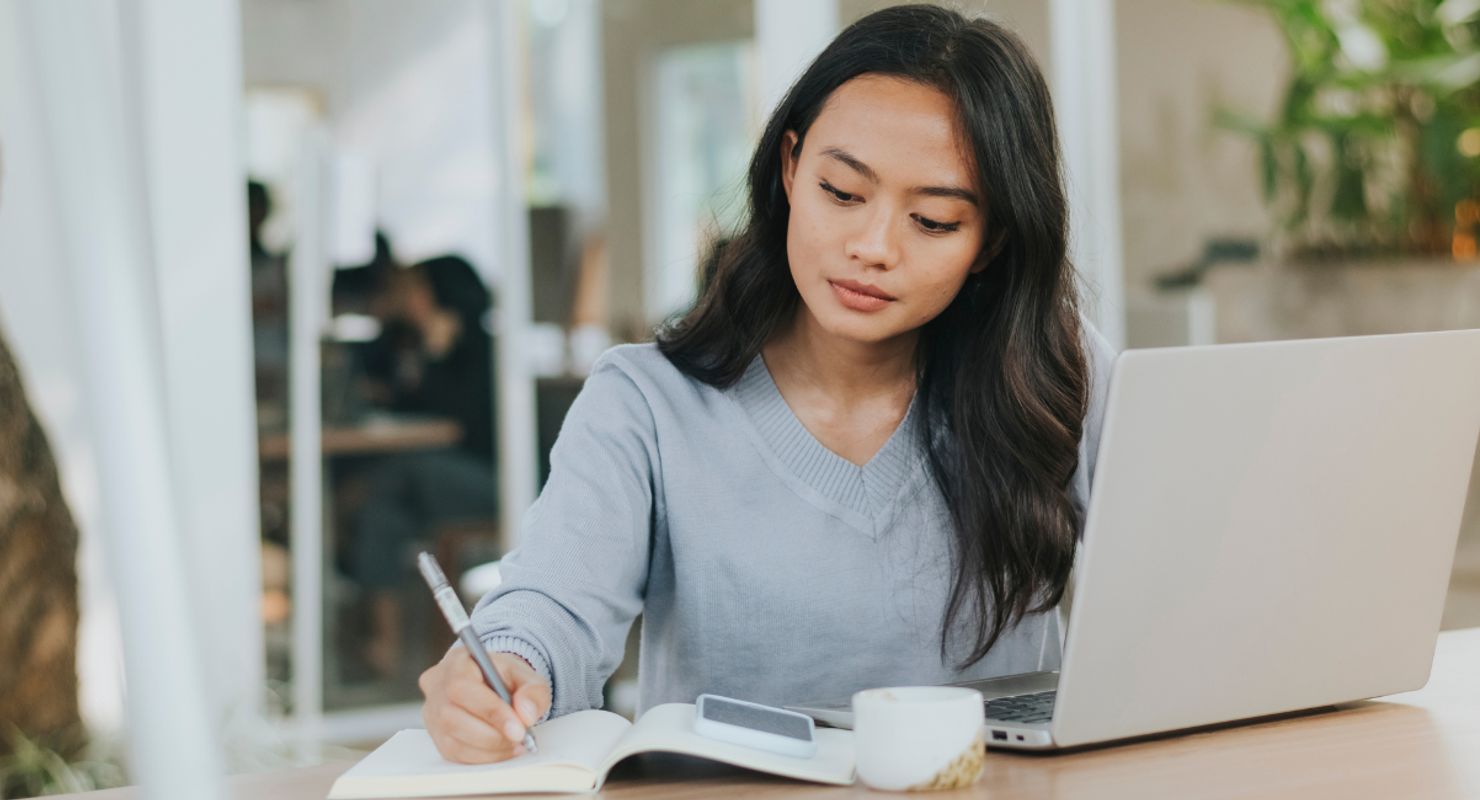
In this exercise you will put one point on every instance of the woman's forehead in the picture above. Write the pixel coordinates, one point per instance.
(905, 131)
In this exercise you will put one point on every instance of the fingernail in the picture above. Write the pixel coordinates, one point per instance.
(526, 710)
(514, 731)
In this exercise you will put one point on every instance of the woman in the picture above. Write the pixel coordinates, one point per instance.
(435, 360)
(863, 457)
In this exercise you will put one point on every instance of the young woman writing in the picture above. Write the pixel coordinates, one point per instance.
(863, 457)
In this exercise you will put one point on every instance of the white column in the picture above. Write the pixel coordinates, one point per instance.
(518, 441)
(788, 35)
(189, 96)
(577, 112)
(307, 273)
(103, 204)
(1083, 51)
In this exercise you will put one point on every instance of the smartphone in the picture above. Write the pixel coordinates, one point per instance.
(753, 725)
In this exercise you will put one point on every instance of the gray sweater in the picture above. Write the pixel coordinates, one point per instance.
(765, 566)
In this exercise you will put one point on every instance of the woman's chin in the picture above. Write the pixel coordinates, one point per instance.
(851, 326)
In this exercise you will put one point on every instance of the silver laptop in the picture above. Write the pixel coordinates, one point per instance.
(1271, 529)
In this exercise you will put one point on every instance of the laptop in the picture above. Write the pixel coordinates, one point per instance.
(1271, 529)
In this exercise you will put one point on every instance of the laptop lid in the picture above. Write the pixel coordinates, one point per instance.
(1272, 528)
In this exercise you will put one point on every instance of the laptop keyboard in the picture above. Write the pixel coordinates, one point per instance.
(1035, 707)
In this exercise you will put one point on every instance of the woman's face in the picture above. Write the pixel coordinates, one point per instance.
(886, 218)
(409, 297)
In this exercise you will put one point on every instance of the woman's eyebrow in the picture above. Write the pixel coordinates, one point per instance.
(848, 159)
(947, 191)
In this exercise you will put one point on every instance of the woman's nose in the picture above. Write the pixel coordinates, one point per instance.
(876, 243)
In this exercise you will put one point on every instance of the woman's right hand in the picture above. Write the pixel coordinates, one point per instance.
(465, 717)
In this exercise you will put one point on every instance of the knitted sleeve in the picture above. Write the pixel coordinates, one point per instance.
(570, 591)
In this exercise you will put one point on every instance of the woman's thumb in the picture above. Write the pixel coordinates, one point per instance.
(531, 700)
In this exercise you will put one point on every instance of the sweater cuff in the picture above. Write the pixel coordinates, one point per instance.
(519, 647)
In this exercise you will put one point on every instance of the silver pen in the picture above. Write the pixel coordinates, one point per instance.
(457, 617)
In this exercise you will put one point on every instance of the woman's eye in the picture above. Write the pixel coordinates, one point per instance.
(936, 227)
(842, 196)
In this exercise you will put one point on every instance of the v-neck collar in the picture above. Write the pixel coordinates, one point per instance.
(864, 496)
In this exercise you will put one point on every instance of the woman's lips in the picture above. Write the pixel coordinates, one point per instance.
(859, 297)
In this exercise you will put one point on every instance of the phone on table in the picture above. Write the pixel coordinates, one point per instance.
(754, 725)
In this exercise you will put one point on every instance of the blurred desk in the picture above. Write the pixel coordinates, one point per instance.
(1418, 744)
(387, 434)
(346, 450)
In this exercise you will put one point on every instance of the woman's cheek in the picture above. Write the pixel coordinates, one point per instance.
(928, 306)
(940, 296)
(805, 236)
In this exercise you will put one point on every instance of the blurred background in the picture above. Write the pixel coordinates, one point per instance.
(291, 289)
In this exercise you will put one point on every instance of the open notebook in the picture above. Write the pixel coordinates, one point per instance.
(576, 752)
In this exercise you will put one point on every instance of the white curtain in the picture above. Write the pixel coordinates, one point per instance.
(140, 101)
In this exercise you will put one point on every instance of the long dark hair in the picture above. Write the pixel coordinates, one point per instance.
(1001, 375)
(456, 287)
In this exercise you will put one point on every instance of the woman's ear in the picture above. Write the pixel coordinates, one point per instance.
(790, 155)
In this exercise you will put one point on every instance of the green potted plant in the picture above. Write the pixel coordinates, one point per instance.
(1374, 151)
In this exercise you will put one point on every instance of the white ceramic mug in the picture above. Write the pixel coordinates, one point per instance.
(919, 737)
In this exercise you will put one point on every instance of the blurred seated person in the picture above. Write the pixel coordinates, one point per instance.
(434, 358)
(357, 289)
(269, 314)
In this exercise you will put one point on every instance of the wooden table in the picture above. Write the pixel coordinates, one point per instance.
(1423, 744)
(376, 435)
(379, 434)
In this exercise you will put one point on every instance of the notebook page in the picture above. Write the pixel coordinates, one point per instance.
(571, 748)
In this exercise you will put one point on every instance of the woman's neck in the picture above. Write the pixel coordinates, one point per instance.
(803, 355)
